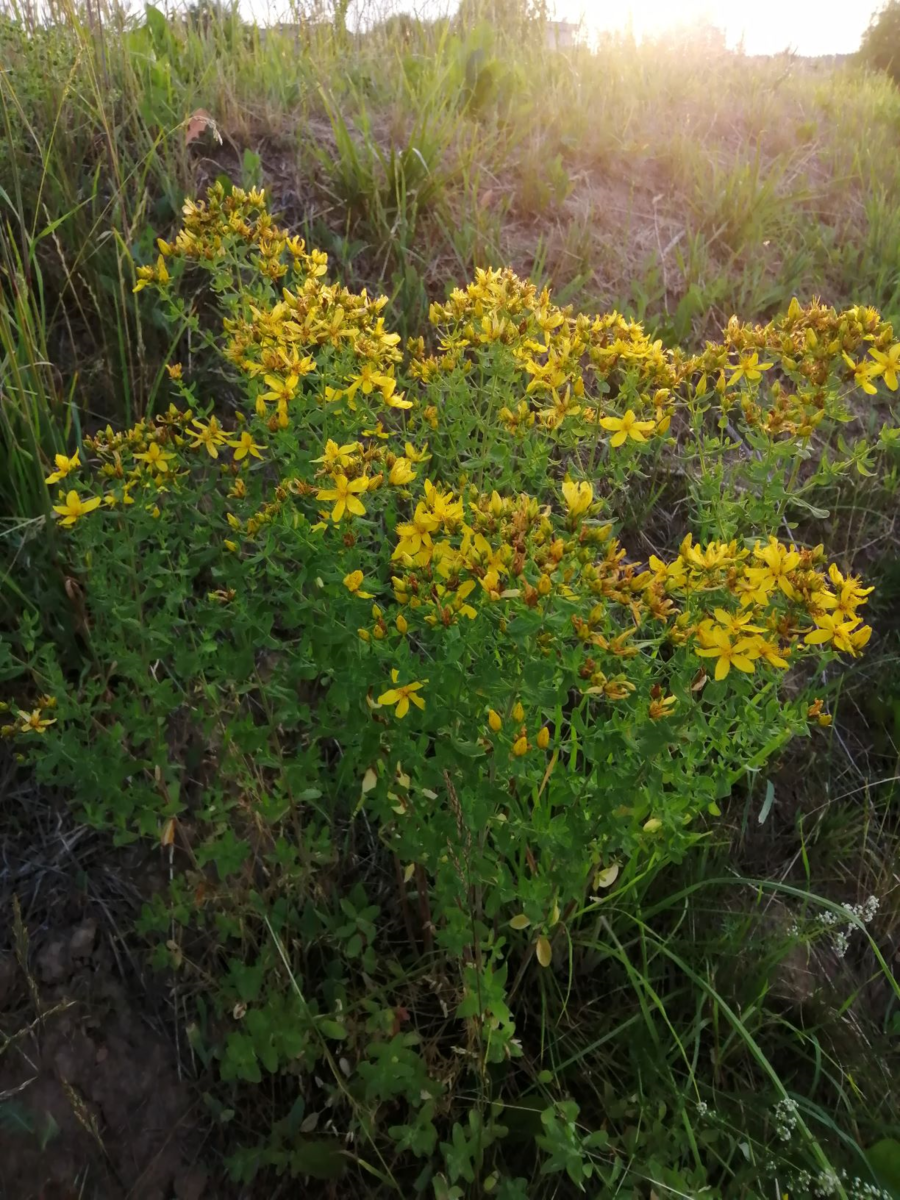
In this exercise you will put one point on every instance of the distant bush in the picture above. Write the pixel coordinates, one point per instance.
(881, 42)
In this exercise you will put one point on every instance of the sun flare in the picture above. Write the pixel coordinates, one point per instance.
(767, 27)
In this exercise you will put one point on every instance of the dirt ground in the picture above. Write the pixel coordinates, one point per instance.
(93, 1102)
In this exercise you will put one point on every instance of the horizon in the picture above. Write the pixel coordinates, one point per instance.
(774, 28)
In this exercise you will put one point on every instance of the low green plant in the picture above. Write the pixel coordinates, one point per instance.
(365, 651)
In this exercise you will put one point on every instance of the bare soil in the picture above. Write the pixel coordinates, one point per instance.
(93, 1101)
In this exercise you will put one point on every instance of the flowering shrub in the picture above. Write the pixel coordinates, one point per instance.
(467, 634)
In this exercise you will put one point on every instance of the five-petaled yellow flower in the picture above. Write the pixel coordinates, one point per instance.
(888, 365)
(245, 445)
(842, 632)
(626, 427)
(211, 436)
(862, 374)
(749, 368)
(74, 507)
(63, 467)
(345, 495)
(338, 456)
(728, 653)
(402, 695)
(353, 584)
(578, 496)
(156, 458)
(34, 722)
(280, 389)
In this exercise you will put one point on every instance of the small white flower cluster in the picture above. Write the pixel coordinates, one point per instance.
(836, 924)
(702, 1108)
(786, 1117)
(829, 1183)
(864, 912)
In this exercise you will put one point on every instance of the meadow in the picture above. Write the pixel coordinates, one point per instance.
(449, 612)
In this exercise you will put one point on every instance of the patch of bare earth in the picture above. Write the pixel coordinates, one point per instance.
(93, 1102)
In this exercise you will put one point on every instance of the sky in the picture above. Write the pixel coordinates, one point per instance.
(809, 27)
(765, 26)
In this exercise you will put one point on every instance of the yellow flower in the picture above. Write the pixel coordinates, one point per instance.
(75, 507)
(245, 445)
(779, 562)
(344, 494)
(156, 458)
(447, 510)
(402, 694)
(862, 374)
(495, 720)
(174, 369)
(210, 436)
(543, 738)
(63, 467)
(735, 623)
(771, 652)
(353, 583)
(402, 624)
(415, 536)
(414, 455)
(520, 746)
(834, 627)
(749, 367)
(850, 593)
(578, 496)
(627, 427)
(34, 722)
(401, 472)
(888, 365)
(518, 712)
(719, 645)
(370, 378)
(661, 707)
(338, 456)
(157, 274)
(280, 389)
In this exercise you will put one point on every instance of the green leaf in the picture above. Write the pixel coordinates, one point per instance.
(884, 1159)
(767, 803)
(333, 1029)
(321, 1159)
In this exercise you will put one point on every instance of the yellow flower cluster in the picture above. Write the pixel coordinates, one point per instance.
(816, 350)
(354, 470)
(31, 722)
(737, 605)
(733, 605)
(584, 373)
(280, 345)
(562, 360)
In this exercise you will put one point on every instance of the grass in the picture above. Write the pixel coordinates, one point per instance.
(676, 188)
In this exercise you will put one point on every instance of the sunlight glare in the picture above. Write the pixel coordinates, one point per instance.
(809, 27)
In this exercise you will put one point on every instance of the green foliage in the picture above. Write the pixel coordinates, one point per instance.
(364, 653)
(880, 48)
(362, 902)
